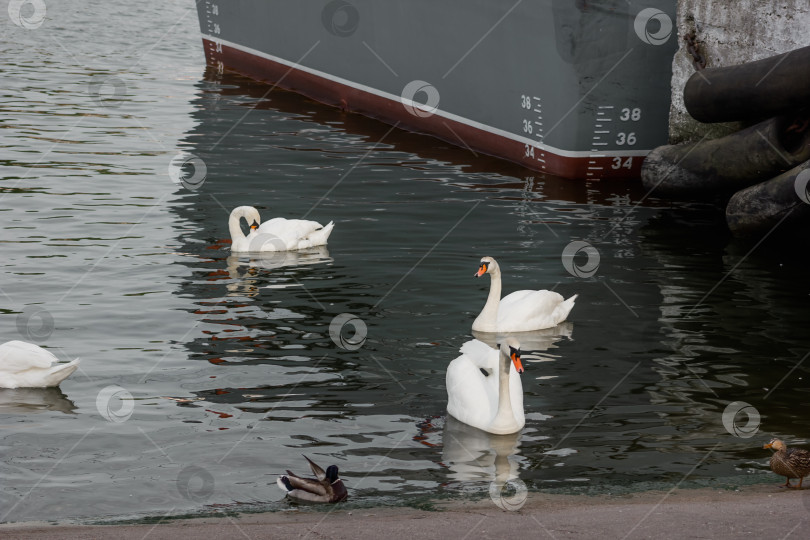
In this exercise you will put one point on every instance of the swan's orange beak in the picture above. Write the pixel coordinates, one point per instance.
(516, 360)
(769, 445)
(254, 226)
(481, 270)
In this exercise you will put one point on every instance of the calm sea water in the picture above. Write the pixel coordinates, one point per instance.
(204, 375)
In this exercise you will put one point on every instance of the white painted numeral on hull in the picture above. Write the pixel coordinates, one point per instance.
(626, 138)
(630, 114)
(618, 163)
(532, 106)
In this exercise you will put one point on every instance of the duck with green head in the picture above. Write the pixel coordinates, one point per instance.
(326, 487)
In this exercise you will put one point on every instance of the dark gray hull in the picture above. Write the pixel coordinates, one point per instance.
(574, 88)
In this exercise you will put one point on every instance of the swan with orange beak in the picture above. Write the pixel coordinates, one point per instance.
(520, 311)
(484, 388)
(277, 234)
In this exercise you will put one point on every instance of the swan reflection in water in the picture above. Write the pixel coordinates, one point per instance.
(271, 260)
(475, 455)
(34, 400)
(243, 266)
(532, 341)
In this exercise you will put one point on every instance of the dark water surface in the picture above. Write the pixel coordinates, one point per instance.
(203, 375)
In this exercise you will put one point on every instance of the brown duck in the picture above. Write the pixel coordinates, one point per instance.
(791, 463)
(325, 487)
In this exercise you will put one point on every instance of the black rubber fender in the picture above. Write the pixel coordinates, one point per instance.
(715, 169)
(769, 87)
(783, 202)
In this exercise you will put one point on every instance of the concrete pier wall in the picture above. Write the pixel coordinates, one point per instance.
(725, 33)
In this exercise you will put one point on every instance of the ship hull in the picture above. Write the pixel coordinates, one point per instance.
(589, 110)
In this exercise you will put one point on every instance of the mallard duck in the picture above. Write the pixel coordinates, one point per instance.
(25, 365)
(326, 487)
(791, 463)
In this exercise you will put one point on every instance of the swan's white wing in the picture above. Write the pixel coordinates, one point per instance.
(289, 230)
(481, 354)
(471, 396)
(530, 302)
(19, 356)
(528, 310)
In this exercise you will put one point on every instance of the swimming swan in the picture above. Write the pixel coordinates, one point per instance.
(484, 388)
(277, 234)
(25, 365)
(519, 311)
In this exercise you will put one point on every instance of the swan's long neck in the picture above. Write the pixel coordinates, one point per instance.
(233, 226)
(505, 415)
(489, 315)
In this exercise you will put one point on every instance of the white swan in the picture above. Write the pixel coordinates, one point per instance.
(484, 389)
(277, 234)
(25, 365)
(519, 311)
